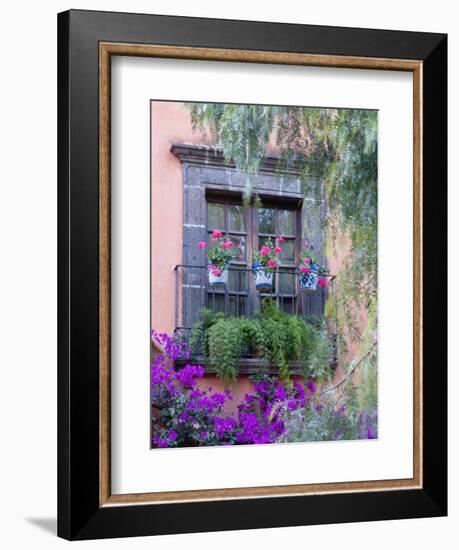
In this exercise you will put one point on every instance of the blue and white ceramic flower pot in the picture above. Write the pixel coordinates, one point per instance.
(221, 279)
(263, 278)
(308, 281)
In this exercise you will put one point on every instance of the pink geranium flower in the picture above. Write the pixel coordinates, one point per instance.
(265, 250)
(202, 244)
(217, 234)
(277, 249)
(306, 244)
(227, 244)
(322, 282)
(272, 264)
(305, 269)
(307, 260)
(216, 272)
(280, 239)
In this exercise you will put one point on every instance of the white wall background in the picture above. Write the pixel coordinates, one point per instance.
(28, 270)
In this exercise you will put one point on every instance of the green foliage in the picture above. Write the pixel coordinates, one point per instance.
(218, 255)
(324, 421)
(269, 259)
(242, 131)
(273, 335)
(225, 347)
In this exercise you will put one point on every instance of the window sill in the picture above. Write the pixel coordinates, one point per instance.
(247, 366)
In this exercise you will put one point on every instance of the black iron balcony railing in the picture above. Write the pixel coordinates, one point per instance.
(239, 297)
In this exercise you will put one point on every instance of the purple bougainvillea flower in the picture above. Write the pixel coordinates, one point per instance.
(292, 404)
(280, 392)
(161, 442)
(217, 400)
(224, 425)
(262, 388)
(300, 393)
(187, 375)
(183, 417)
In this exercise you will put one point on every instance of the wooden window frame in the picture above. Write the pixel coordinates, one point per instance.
(252, 236)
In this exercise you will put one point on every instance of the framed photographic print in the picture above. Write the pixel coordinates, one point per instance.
(252, 274)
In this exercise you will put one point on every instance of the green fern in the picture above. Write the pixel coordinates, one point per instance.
(273, 335)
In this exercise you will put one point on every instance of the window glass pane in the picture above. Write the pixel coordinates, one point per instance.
(237, 280)
(239, 248)
(287, 282)
(266, 240)
(236, 219)
(288, 251)
(266, 221)
(216, 302)
(237, 306)
(211, 242)
(287, 305)
(215, 216)
(286, 222)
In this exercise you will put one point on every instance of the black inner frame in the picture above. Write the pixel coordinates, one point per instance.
(79, 514)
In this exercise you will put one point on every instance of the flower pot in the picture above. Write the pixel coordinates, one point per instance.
(308, 281)
(221, 279)
(263, 278)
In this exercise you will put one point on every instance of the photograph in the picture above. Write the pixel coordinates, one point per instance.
(251, 274)
(227, 244)
(264, 274)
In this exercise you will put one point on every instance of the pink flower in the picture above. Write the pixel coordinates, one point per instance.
(277, 249)
(215, 271)
(307, 260)
(217, 234)
(305, 269)
(265, 250)
(306, 244)
(227, 244)
(322, 282)
(280, 239)
(272, 264)
(202, 244)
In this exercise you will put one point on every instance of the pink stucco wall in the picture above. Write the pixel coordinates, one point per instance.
(170, 124)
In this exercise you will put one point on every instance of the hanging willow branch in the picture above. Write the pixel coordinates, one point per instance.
(349, 374)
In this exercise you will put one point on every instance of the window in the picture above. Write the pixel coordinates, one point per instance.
(273, 222)
(233, 220)
(249, 228)
(212, 199)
